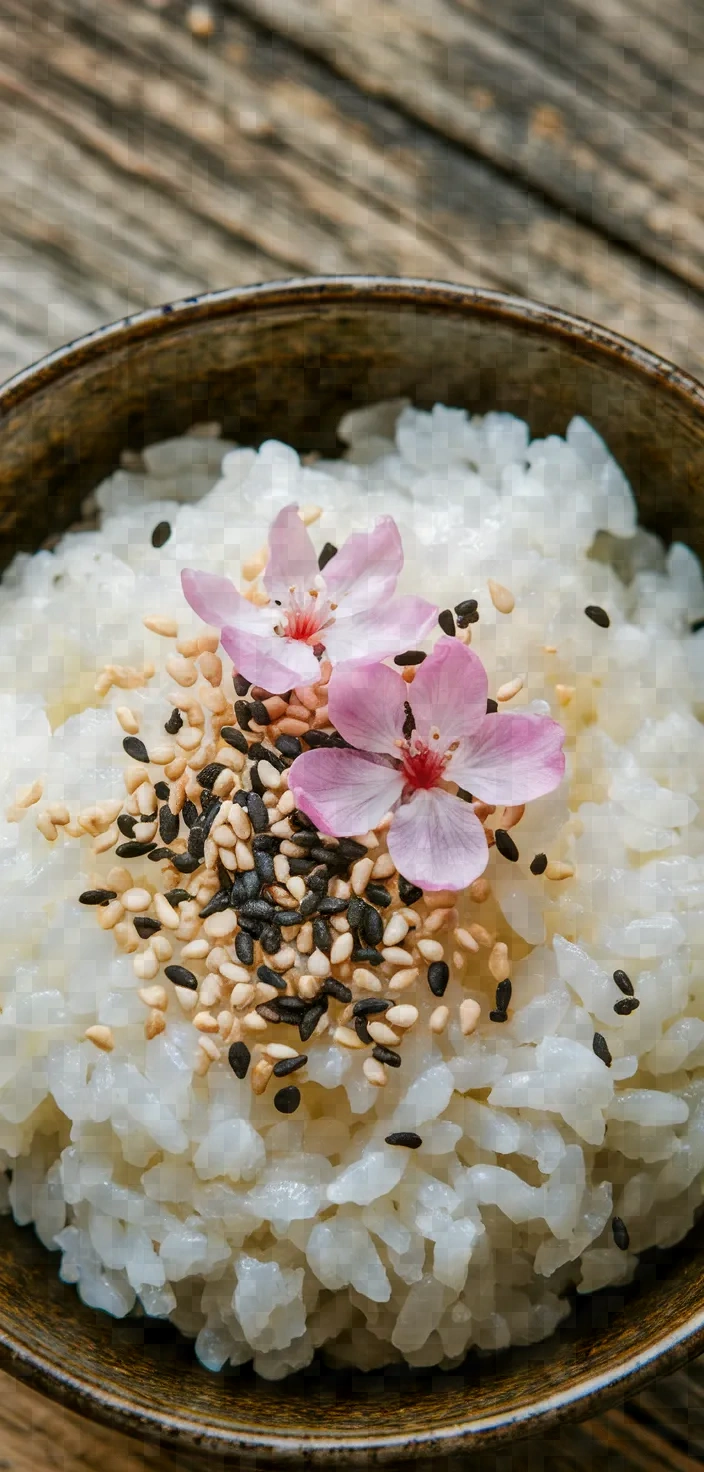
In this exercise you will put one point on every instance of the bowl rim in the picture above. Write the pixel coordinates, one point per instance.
(592, 1391)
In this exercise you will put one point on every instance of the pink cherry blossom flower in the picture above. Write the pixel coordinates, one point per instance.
(412, 742)
(348, 611)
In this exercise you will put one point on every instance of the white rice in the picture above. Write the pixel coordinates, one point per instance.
(269, 1237)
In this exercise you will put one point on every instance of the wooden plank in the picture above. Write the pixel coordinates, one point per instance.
(136, 165)
(554, 93)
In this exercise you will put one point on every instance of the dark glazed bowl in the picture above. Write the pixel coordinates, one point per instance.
(287, 360)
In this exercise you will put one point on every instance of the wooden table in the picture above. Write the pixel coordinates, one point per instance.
(547, 147)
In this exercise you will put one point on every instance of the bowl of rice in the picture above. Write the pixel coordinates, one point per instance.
(352, 998)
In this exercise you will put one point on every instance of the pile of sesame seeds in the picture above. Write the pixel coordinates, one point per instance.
(269, 934)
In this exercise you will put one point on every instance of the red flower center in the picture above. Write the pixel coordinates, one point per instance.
(305, 618)
(422, 767)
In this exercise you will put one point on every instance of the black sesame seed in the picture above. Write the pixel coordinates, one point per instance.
(468, 605)
(369, 1006)
(438, 977)
(243, 712)
(411, 656)
(287, 1100)
(270, 940)
(264, 865)
(367, 956)
(409, 722)
(330, 906)
(259, 713)
(174, 722)
(244, 948)
(97, 896)
(287, 918)
(169, 824)
(145, 926)
(136, 749)
(408, 893)
(161, 534)
(133, 850)
(621, 1234)
(315, 739)
(409, 1138)
(289, 746)
(597, 615)
(377, 895)
(506, 845)
(498, 1016)
(290, 1065)
(256, 781)
(350, 849)
(271, 978)
(265, 843)
(386, 1055)
(628, 1005)
(177, 897)
(208, 776)
(158, 855)
(297, 819)
(290, 1007)
(465, 619)
(257, 910)
(503, 995)
(311, 1018)
(318, 880)
(491, 707)
(240, 799)
(260, 753)
(447, 622)
(362, 1031)
(300, 867)
(268, 1012)
(233, 737)
(309, 904)
(219, 902)
(463, 794)
(185, 863)
(601, 1048)
(258, 812)
(162, 790)
(126, 824)
(336, 989)
(238, 1057)
(189, 813)
(696, 625)
(355, 912)
(249, 885)
(623, 983)
(372, 925)
(539, 864)
(327, 856)
(180, 976)
(321, 936)
(241, 685)
(326, 554)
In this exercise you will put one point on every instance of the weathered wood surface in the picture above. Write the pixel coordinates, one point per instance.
(548, 147)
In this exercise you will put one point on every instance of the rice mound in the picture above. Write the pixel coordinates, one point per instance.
(270, 1237)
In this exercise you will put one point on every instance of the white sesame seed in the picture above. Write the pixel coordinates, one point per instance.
(319, 965)
(304, 939)
(438, 1019)
(403, 979)
(565, 693)
(440, 918)
(58, 813)
(282, 829)
(339, 923)
(239, 822)
(205, 1023)
(282, 868)
(557, 870)
(498, 961)
(136, 900)
(126, 937)
(242, 995)
(223, 836)
(189, 738)
(196, 950)
(162, 948)
(347, 1038)
(265, 993)
(396, 930)
(465, 940)
(470, 1012)
(109, 838)
(162, 755)
(46, 827)
(225, 1024)
(481, 935)
(361, 874)
(146, 965)
(511, 688)
(254, 1023)
(234, 973)
(210, 1048)
(155, 1024)
(154, 996)
(308, 987)
(287, 803)
(101, 1036)
(431, 950)
(397, 956)
(244, 857)
(260, 1075)
(218, 926)
(375, 1073)
(166, 627)
(402, 1016)
(366, 980)
(296, 885)
(110, 915)
(268, 776)
(166, 913)
(342, 948)
(27, 796)
(224, 783)
(127, 719)
(279, 1050)
(381, 1033)
(183, 671)
(502, 599)
(284, 958)
(210, 990)
(384, 867)
(211, 667)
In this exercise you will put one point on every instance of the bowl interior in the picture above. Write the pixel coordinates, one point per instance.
(287, 362)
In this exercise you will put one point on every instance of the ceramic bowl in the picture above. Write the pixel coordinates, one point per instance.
(287, 360)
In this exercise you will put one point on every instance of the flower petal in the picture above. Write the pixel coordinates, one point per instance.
(265, 659)
(449, 692)
(513, 757)
(387, 629)
(217, 601)
(366, 705)
(436, 841)
(343, 792)
(366, 568)
(292, 560)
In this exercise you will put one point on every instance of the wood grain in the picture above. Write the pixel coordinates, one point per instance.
(137, 166)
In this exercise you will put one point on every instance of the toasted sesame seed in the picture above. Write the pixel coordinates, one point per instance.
(502, 599)
(623, 983)
(511, 688)
(166, 627)
(101, 1036)
(498, 961)
(620, 1233)
(407, 1138)
(261, 1073)
(597, 615)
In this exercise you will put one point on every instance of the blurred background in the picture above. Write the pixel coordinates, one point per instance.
(150, 149)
